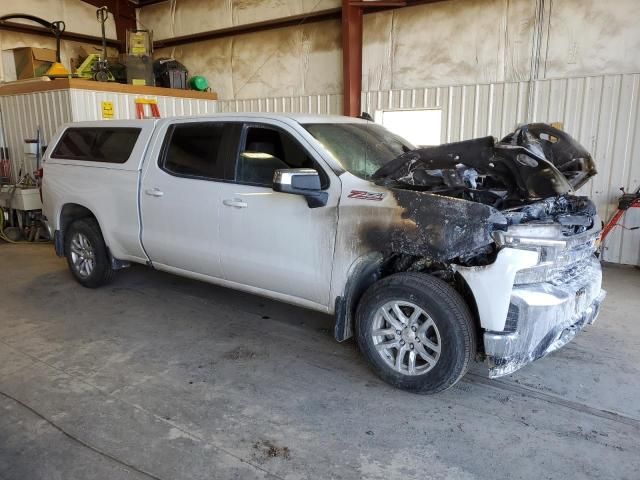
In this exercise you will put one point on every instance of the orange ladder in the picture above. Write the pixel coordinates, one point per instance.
(153, 104)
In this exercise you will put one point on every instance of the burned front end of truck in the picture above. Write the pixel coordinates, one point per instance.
(503, 217)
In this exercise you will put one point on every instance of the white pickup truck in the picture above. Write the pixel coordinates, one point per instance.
(431, 257)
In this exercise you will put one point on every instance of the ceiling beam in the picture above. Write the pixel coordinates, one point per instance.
(45, 32)
(293, 20)
(145, 3)
(273, 24)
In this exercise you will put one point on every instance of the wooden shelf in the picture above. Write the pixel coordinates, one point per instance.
(44, 84)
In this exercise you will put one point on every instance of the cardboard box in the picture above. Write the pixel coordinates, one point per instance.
(31, 62)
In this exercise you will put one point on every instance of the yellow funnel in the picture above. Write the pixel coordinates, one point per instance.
(57, 70)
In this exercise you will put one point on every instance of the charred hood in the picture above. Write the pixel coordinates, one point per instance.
(535, 162)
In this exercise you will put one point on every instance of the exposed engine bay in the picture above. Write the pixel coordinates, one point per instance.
(535, 162)
(457, 195)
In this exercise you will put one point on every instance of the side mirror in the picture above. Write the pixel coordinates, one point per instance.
(301, 181)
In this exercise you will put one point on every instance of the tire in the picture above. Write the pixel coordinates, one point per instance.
(86, 253)
(441, 338)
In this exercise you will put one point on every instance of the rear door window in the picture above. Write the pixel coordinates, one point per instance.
(199, 149)
(109, 145)
(265, 150)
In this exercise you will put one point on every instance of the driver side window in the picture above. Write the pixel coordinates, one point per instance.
(266, 150)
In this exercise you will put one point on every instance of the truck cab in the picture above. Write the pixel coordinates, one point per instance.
(430, 257)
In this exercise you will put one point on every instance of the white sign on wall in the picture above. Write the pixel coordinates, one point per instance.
(420, 127)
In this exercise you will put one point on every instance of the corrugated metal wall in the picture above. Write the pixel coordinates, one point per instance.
(87, 105)
(22, 115)
(320, 104)
(602, 112)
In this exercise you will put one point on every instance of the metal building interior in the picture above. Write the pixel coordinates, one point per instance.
(160, 375)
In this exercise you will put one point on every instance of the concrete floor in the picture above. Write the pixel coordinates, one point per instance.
(156, 376)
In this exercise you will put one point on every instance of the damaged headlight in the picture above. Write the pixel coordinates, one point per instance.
(556, 254)
(539, 238)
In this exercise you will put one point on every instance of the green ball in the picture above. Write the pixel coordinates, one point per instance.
(198, 82)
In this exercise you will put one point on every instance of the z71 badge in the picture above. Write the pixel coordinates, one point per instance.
(362, 195)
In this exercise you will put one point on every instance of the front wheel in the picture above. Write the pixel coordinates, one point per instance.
(87, 254)
(416, 331)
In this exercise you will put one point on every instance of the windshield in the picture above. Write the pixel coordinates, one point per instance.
(361, 148)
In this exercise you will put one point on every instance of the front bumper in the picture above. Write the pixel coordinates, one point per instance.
(544, 317)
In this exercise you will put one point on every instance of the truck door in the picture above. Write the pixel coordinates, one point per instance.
(270, 240)
(180, 199)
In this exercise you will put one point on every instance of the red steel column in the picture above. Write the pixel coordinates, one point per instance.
(351, 58)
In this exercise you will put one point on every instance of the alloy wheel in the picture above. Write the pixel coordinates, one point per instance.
(83, 255)
(406, 338)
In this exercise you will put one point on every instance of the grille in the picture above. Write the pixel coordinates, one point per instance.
(570, 274)
(511, 324)
(562, 266)
(577, 253)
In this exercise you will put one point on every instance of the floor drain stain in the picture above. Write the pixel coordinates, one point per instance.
(269, 450)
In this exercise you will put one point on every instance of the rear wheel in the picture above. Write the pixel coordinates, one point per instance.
(416, 331)
(86, 253)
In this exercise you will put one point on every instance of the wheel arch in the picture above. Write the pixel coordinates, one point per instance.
(69, 213)
(363, 273)
(369, 269)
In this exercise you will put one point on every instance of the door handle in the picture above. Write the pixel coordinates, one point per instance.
(235, 202)
(154, 192)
